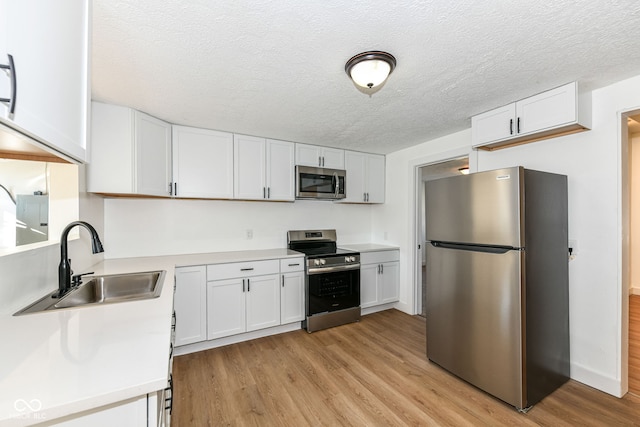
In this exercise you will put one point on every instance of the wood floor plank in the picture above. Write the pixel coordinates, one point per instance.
(371, 373)
(634, 344)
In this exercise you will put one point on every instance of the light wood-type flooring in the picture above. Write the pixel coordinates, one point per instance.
(634, 344)
(371, 373)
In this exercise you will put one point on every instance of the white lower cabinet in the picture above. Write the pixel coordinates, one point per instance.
(226, 308)
(292, 290)
(129, 413)
(379, 277)
(190, 304)
(220, 300)
(242, 305)
(243, 297)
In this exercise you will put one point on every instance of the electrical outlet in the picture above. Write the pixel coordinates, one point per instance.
(249, 234)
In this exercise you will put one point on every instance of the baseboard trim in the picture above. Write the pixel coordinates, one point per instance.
(233, 339)
(597, 380)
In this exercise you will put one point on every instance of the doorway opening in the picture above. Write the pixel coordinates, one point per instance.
(426, 173)
(631, 260)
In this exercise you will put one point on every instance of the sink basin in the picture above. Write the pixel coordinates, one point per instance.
(114, 288)
(106, 289)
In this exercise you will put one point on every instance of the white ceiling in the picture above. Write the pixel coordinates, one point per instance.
(276, 68)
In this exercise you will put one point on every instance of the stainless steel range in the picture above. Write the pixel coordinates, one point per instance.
(332, 279)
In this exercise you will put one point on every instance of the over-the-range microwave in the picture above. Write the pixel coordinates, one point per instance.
(320, 183)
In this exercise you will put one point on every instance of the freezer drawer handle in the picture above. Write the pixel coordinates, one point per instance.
(474, 248)
(11, 101)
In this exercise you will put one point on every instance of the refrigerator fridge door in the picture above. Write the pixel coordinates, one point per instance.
(474, 323)
(480, 208)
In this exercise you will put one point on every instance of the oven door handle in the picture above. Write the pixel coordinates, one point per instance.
(321, 270)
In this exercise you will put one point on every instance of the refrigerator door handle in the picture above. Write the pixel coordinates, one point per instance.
(475, 248)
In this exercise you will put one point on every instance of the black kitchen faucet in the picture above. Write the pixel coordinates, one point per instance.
(64, 269)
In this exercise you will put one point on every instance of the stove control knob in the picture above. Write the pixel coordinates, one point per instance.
(322, 262)
(316, 262)
(347, 259)
(352, 259)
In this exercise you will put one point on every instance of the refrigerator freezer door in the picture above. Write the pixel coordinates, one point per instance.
(480, 208)
(474, 324)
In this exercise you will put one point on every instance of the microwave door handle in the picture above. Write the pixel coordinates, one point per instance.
(337, 184)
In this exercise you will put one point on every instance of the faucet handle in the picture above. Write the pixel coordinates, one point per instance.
(76, 280)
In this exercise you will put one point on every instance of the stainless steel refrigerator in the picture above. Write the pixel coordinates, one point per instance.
(497, 281)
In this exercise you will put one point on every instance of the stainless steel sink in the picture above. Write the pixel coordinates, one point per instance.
(106, 289)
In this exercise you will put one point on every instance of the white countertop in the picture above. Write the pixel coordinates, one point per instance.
(368, 247)
(62, 362)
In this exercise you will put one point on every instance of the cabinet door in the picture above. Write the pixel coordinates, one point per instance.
(368, 285)
(263, 302)
(308, 155)
(494, 125)
(355, 165)
(375, 178)
(226, 308)
(153, 155)
(128, 413)
(202, 163)
(292, 297)
(49, 42)
(249, 168)
(280, 170)
(548, 109)
(390, 282)
(190, 305)
(332, 158)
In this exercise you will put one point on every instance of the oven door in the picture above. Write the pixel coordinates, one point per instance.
(320, 183)
(333, 290)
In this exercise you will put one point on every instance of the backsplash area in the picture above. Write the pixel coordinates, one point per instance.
(147, 227)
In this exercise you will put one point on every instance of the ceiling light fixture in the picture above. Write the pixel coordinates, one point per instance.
(370, 69)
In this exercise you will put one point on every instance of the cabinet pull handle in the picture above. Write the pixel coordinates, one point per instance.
(248, 285)
(283, 281)
(11, 101)
(510, 126)
(322, 161)
(319, 161)
(518, 125)
(175, 189)
(294, 265)
(264, 193)
(381, 268)
(170, 189)
(243, 285)
(246, 269)
(268, 192)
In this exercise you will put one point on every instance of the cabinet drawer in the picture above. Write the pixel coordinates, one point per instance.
(242, 269)
(291, 264)
(379, 257)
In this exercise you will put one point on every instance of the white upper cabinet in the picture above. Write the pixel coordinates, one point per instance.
(130, 152)
(263, 169)
(365, 177)
(280, 170)
(202, 163)
(49, 44)
(552, 113)
(321, 157)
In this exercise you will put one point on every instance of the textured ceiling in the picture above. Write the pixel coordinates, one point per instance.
(276, 68)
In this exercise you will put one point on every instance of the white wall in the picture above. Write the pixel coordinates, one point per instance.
(592, 162)
(146, 227)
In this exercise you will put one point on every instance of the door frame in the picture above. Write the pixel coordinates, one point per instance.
(416, 249)
(624, 227)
